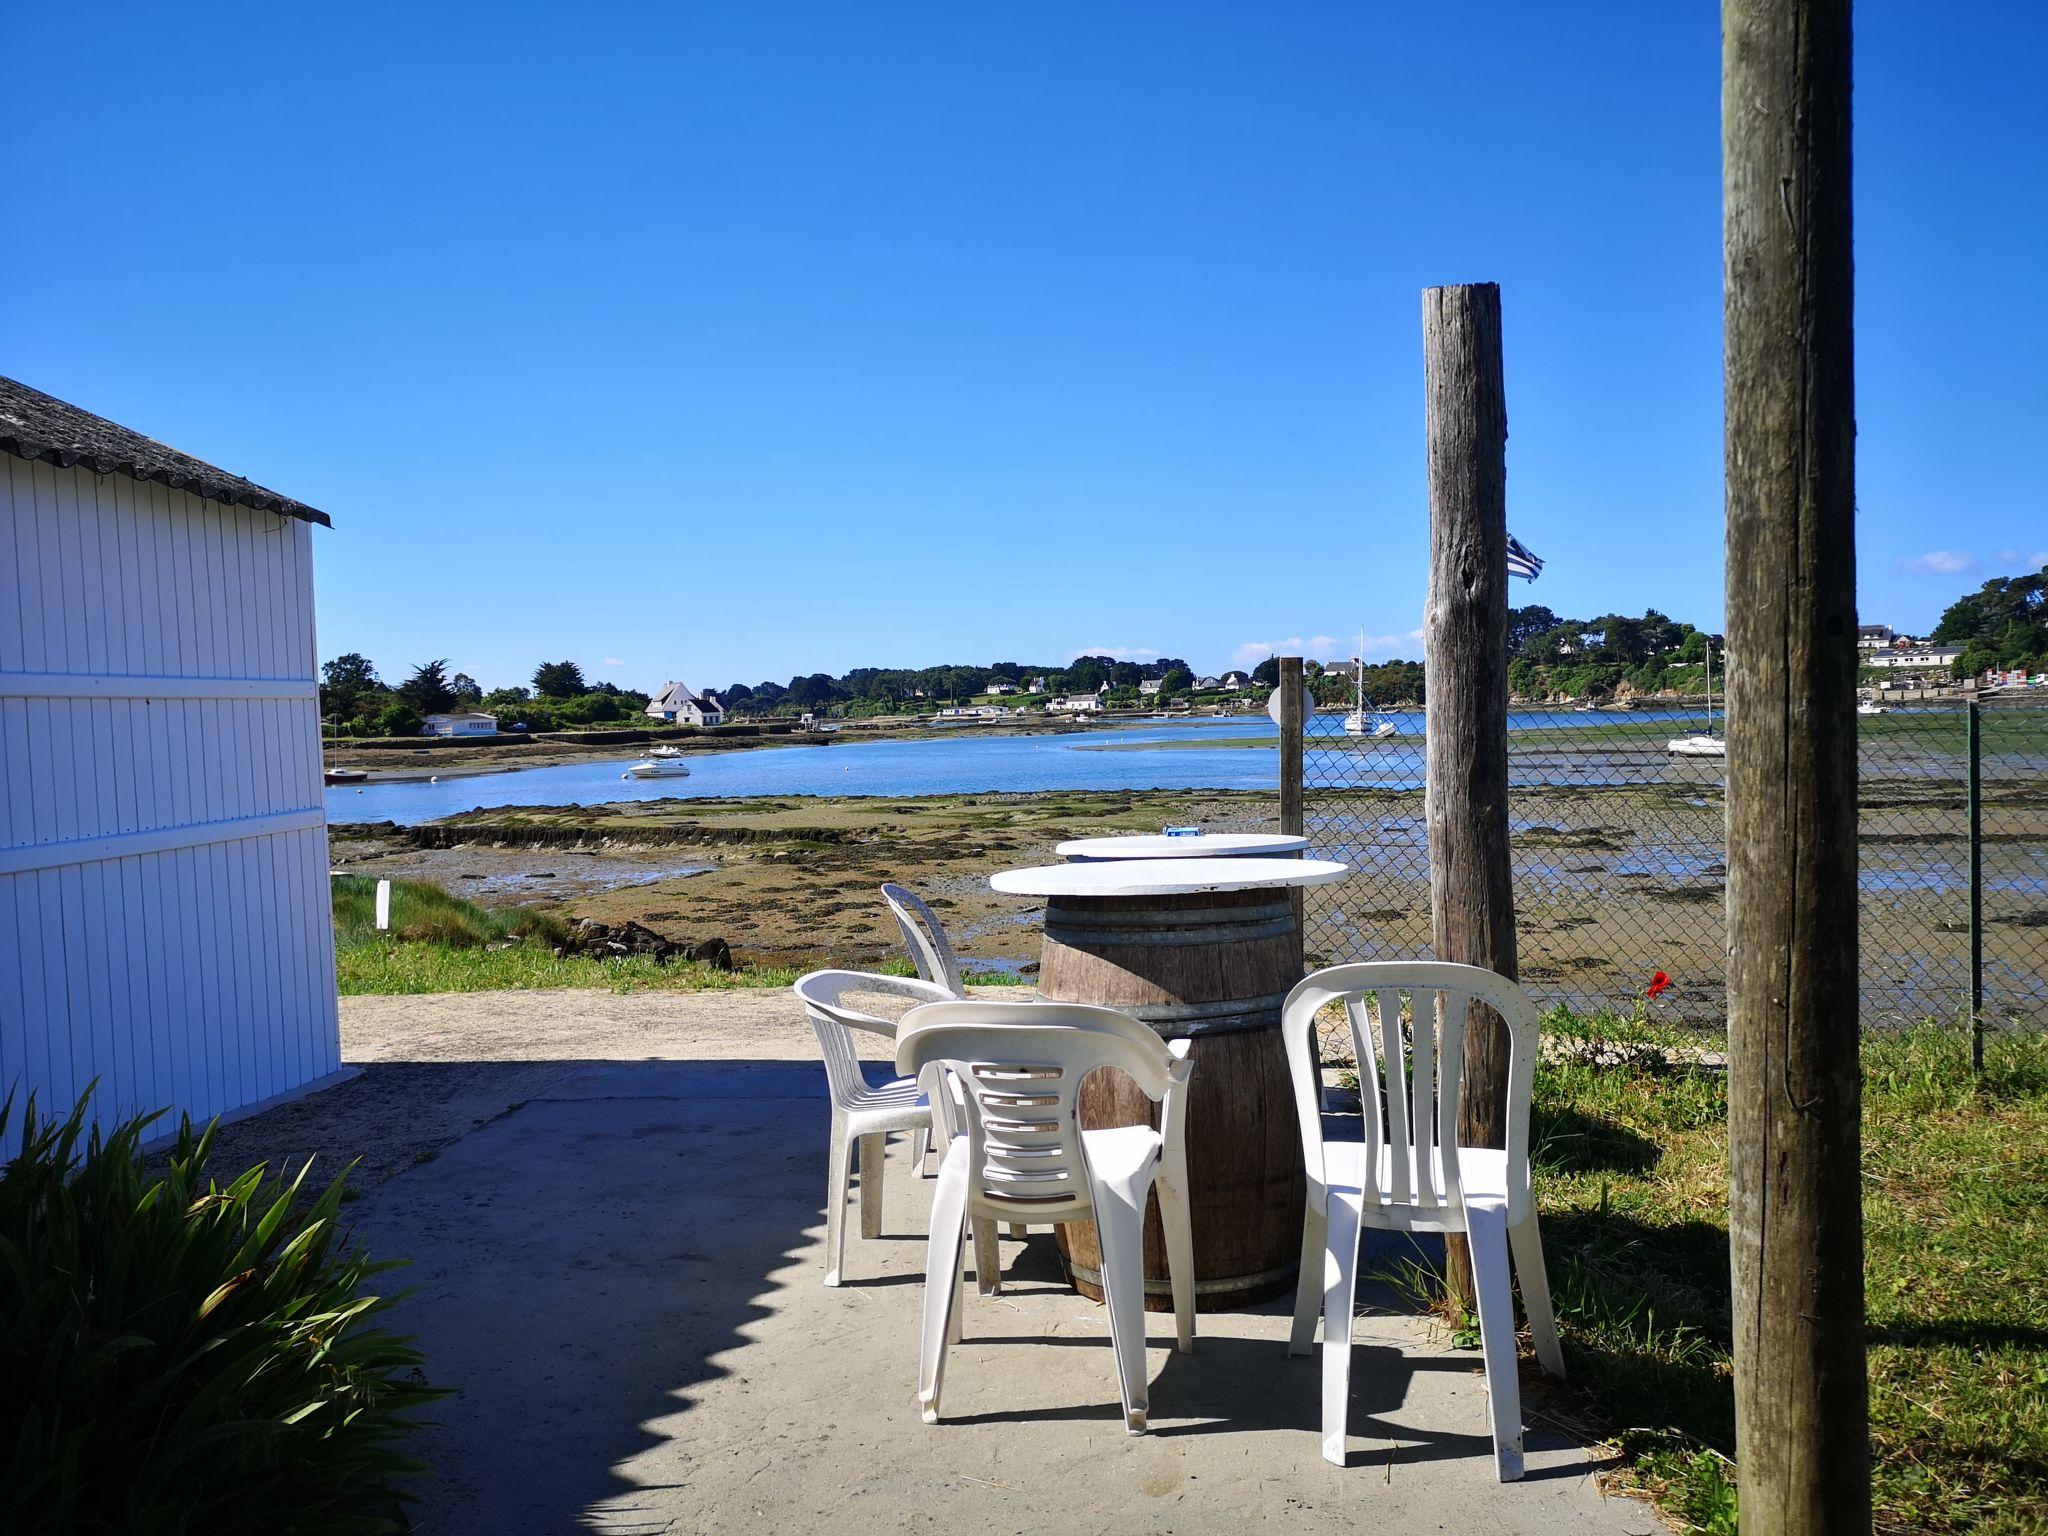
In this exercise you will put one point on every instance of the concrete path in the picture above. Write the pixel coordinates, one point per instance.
(621, 1275)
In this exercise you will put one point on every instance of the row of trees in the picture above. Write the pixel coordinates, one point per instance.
(889, 690)
(2003, 624)
(355, 701)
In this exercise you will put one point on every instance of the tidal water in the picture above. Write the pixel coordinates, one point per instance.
(972, 763)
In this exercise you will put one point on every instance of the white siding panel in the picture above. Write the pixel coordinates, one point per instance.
(163, 855)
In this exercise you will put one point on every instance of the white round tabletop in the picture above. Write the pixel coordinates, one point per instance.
(1201, 845)
(1164, 877)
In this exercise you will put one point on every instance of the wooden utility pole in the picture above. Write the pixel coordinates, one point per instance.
(1795, 1215)
(1465, 651)
(1292, 724)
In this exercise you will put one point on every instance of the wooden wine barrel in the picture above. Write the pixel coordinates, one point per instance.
(1214, 967)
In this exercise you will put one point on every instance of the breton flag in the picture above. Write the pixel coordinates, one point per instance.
(1520, 562)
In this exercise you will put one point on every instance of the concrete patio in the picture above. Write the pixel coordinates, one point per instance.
(619, 1272)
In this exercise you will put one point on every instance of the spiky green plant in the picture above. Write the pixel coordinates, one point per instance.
(181, 1356)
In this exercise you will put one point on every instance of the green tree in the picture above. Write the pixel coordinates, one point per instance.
(427, 691)
(346, 683)
(399, 719)
(559, 680)
(1267, 673)
(1525, 624)
(1177, 679)
(467, 690)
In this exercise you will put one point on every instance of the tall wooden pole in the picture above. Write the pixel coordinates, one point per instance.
(1795, 1196)
(1465, 650)
(1292, 724)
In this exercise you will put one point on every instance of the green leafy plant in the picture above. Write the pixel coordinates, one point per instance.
(182, 1356)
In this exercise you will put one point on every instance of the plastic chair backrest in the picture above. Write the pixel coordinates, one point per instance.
(1420, 1070)
(833, 1022)
(930, 950)
(1023, 1064)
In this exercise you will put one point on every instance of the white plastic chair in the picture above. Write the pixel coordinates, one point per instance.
(930, 951)
(1023, 1155)
(1409, 1173)
(862, 1113)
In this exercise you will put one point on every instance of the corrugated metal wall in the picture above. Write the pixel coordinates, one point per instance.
(164, 920)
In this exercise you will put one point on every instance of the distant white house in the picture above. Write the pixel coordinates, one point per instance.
(165, 922)
(1236, 680)
(1148, 687)
(1873, 637)
(997, 690)
(975, 712)
(1039, 685)
(679, 704)
(1207, 683)
(1076, 704)
(1915, 657)
(461, 722)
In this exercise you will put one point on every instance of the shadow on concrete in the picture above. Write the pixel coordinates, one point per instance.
(617, 1243)
(580, 1263)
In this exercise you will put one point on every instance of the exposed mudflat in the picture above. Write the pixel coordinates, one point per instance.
(791, 880)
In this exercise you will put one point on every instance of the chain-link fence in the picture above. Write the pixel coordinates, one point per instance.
(1619, 856)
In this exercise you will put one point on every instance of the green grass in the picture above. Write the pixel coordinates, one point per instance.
(1629, 1139)
(441, 943)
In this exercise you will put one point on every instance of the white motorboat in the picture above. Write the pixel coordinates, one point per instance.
(1698, 744)
(1872, 707)
(1701, 743)
(1358, 722)
(659, 767)
(666, 752)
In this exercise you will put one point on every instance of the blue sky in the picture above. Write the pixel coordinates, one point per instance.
(730, 340)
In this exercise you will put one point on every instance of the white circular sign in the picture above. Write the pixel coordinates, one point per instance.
(1308, 704)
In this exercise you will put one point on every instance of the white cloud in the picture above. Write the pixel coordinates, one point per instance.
(1942, 562)
(613, 661)
(1119, 652)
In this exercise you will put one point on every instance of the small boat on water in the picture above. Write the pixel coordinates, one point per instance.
(344, 775)
(1358, 722)
(1872, 707)
(666, 752)
(659, 766)
(1701, 743)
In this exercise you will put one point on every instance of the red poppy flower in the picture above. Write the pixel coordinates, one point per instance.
(1658, 983)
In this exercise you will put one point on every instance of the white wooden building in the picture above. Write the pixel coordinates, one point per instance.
(679, 704)
(460, 722)
(164, 917)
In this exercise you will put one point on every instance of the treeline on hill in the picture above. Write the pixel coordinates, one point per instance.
(2002, 625)
(1556, 658)
(354, 701)
(897, 690)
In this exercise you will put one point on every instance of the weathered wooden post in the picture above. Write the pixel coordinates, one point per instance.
(1291, 724)
(1465, 658)
(1795, 1214)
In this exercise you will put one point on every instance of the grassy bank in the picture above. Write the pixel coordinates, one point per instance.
(440, 943)
(1630, 1143)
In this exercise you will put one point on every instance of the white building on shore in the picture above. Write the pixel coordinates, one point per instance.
(460, 722)
(679, 704)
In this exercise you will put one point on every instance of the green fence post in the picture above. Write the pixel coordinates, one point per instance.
(1976, 900)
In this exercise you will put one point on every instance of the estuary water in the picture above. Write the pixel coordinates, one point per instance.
(1158, 754)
